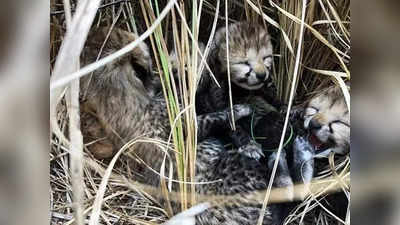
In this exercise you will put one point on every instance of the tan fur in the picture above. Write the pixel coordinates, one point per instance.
(95, 136)
(120, 101)
(329, 110)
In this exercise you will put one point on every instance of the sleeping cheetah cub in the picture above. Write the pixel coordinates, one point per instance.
(250, 62)
(250, 54)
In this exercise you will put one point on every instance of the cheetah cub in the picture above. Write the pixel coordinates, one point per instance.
(250, 62)
(328, 120)
(327, 125)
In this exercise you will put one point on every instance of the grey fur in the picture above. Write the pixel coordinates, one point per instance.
(303, 160)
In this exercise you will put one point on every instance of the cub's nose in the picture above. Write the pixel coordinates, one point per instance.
(261, 76)
(314, 124)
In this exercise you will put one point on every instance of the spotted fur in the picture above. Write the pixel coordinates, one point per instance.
(239, 174)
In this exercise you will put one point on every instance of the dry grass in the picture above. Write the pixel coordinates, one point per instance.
(310, 55)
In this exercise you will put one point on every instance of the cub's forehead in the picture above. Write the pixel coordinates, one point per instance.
(317, 100)
(258, 52)
(252, 52)
(265, 49)
(334, 104)
(331, 96)
(263, 34)
(325, 100)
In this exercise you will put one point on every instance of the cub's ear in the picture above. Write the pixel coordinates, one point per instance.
(219, 36)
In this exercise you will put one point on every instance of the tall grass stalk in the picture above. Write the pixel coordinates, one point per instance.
(170, 95)
(191, 115)
(286, 63)
(180, 92)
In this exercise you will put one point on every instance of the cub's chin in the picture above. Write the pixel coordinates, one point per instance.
(248, 86)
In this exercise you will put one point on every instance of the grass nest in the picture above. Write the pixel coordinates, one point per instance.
(324, 58)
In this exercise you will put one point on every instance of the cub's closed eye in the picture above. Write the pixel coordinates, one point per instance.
(311, 110)
(267, 57)
(244, 62)
(340, 122)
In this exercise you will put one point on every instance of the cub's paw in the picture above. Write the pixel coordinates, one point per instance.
(303, 160)
(240, 137)
(283, 178)
(241, 110)
(303, 147)
(252, 150)
(188, 217)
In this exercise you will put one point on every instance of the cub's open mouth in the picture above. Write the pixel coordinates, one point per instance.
(318, 144)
